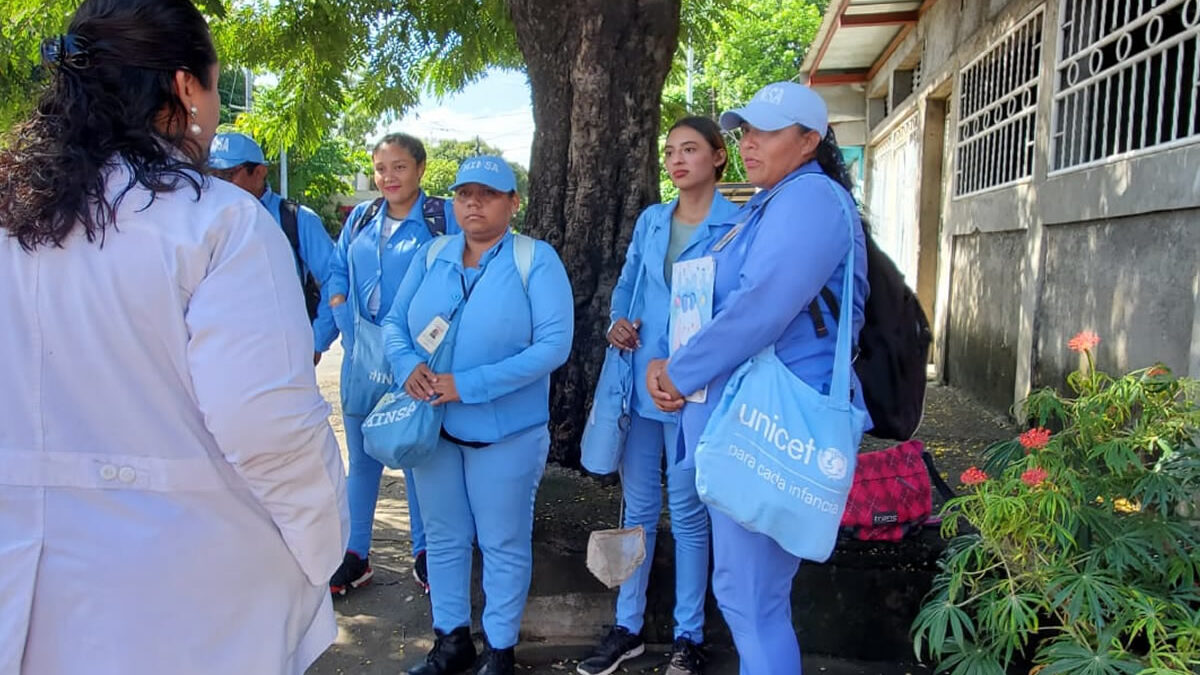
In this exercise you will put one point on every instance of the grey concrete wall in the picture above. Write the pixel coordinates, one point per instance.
(1131, 280)
(982, 331)
(1023, 268)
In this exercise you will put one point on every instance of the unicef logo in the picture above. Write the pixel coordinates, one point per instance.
(833, 463)
(772, 95)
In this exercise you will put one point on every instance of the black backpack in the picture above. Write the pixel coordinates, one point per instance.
(289, 221)
(433, 211)
(893, 348)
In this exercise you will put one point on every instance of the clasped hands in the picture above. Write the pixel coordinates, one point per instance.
(663, 392)
(425, 385)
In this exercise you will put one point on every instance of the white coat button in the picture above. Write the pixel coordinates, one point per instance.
(126, 474)
(108, 472)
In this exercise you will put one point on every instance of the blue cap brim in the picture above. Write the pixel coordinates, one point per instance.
(763, 117)
(220, 164)
(493, 185)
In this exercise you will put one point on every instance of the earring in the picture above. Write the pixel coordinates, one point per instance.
(195, 128)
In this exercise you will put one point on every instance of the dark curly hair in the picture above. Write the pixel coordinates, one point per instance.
(110, 98)
(833, 164)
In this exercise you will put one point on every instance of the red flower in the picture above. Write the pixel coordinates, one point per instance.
(1034, 477)
(973, 476)
(1157, 371)
(1034, 439)
(1085, 341)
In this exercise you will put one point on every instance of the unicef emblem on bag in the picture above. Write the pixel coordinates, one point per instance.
(833, 463)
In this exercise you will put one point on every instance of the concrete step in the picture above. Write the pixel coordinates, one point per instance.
(859, 605)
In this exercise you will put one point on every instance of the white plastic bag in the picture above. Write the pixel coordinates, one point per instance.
(614, 555)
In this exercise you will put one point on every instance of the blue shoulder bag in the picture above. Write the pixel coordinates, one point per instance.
(777, 456)
(608, 422)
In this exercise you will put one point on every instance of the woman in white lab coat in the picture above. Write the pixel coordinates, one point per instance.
(171, 495)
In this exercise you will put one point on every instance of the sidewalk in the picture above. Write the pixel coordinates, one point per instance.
(385, 628)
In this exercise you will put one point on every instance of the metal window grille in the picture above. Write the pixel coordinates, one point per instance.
(1127, 79)
(997, 111)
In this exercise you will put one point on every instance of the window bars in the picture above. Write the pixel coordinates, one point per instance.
(1127, 79)
(997, 111)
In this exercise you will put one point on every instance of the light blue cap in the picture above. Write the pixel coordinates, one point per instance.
(779, 105)
(231, 149)
(487, 170)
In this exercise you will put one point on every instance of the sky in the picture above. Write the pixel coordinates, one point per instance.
(497, 109)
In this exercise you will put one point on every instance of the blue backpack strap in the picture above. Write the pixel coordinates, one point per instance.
(434, 213)
(523, 256)
(435, 247)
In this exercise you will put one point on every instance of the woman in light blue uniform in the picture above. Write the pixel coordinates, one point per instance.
(515, 312)
(694, 157)
(378, 241)
(791, 241)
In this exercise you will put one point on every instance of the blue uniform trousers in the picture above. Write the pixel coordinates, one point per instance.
(485, 494)
(752, 579)
(641, 481)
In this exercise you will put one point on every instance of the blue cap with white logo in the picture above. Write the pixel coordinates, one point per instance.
(779, 105)
(233, 149)
(487, 170)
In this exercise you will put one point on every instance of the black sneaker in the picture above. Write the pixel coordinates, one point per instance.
(617, 647)
(686, 658)
(421, 571)
(498, 662)
(353, 573)
(452, 652)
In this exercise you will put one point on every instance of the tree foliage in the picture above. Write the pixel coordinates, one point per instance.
(737, 47)
(363, 58)
(23, 26)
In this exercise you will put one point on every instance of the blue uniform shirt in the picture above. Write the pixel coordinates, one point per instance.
(766, 276)
(316, 254)
(508, 341)
(647, 250)
(369, 269)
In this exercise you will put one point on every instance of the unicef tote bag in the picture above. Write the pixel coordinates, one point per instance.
(777, 456)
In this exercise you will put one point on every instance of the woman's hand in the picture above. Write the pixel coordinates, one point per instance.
(419, 384)
(443, 386)
(666, 397)
(624, 335)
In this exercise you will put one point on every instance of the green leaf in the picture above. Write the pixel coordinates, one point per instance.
(969, 659)
(1090, 596)
(940, 623)
(1063, 656)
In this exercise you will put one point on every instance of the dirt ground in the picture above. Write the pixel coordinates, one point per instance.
(386, 627)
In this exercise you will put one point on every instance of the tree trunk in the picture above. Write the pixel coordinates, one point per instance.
(596, 69)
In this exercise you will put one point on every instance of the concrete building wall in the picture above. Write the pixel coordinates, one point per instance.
(1131, 280)
(1020, 269)
(982, 332)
